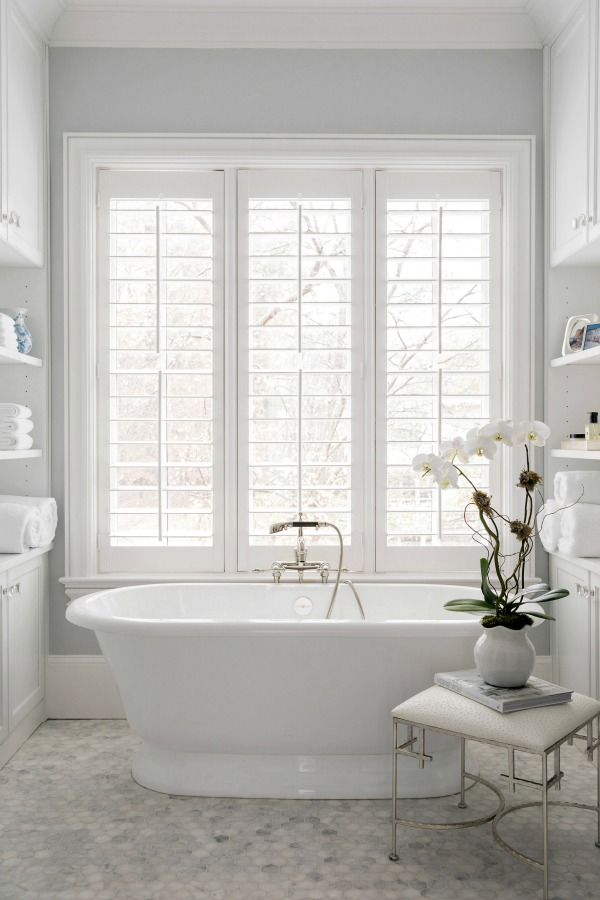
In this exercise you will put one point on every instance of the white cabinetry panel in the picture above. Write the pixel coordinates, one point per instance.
(25, 642)
(3, 660)
(574, 629)
(569, 135)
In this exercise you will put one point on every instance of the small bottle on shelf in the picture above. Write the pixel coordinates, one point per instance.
(592, 429)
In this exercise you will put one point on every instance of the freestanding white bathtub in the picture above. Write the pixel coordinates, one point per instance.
(246, 690)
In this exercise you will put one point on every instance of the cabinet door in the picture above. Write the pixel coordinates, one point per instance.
(25, 631)
(3, 660)
(24, 122)
(595, 643)
(572, 630)
(569, 138)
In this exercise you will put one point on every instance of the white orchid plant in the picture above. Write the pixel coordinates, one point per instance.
(501, 600)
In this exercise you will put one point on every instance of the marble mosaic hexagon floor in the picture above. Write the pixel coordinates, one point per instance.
(75, 826)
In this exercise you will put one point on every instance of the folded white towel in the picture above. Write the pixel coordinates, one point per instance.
(580, 530)
(549, 524)
(14, 411)
(19, 528)
(48, 514)
(572, 486)
(15, 426)
(9, 441)
(6, 321)
(9, 343)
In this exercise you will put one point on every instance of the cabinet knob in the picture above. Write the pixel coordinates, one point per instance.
(580, 221)
(14, 219)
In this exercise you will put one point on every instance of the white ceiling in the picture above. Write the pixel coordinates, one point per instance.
(464, 24)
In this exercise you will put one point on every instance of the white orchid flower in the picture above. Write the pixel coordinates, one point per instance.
(454, 449)
(477, 444)
(426, 463)
(533, 432)
(500, 431)
(446, 476)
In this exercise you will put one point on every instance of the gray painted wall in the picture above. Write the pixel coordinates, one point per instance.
(271, 91)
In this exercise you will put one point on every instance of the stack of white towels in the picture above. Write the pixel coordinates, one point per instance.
(8, 335)
(26, 522)
(15, 427)
(570, 522)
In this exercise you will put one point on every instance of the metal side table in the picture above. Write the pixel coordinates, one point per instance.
(541, 732)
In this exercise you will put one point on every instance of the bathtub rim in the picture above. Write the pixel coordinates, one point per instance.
(81, 612)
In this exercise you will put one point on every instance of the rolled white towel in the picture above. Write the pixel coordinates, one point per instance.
(8, 343)
(572, 486)
(549, 520)
(580, 530)
(15, 426)
(48, 514)
(19, 528)
(10, 441)
(14, 411)
(5, 321)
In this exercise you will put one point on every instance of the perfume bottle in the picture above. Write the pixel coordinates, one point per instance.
(592, 429)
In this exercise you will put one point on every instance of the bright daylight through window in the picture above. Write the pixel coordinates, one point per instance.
(309, 383)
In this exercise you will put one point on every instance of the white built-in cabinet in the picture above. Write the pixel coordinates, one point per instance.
(22, 649)
(22, 124)
(574, 139)
(576, 631)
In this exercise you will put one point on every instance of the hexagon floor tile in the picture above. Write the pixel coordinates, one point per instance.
(75, 826)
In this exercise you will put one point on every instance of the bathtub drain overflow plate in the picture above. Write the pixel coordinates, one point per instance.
(303, 606)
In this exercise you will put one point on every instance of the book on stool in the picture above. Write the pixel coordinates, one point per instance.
(536, 692)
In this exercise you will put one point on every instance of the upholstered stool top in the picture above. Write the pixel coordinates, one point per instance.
(532, 730)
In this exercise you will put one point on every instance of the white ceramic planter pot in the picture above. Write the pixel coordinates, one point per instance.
(504, 657)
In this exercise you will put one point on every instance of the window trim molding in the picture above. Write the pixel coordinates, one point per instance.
(85, 154)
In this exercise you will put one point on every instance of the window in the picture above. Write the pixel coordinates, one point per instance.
(301, 346)
(440, 308)
(265, 331)
(160, 292)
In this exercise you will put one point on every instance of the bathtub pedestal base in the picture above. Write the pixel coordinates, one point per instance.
(332, 777)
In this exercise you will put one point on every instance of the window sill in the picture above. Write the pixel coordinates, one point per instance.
(76, 586)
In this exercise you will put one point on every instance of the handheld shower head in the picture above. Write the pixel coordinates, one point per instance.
(282, 526)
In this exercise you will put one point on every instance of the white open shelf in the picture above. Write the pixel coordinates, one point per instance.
(576, 454)
(10, 357)
(581, 358)
(20, 454)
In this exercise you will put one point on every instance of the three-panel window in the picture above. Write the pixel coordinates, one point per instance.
(364, 334)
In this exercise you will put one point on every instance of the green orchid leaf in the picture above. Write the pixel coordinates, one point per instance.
(488, 592)
(468, 606)
(537, 615)
(553, 595)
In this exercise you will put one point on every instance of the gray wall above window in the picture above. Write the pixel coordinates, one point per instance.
(272, 92)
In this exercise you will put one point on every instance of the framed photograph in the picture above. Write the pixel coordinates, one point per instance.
(574, 339)
(592, 336)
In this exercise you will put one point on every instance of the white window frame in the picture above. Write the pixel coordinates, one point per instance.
(85, 154)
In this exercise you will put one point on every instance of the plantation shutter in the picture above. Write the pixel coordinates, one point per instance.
(439, 333)
(301, 348)
(159, 423)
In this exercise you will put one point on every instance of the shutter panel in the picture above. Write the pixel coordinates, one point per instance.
(439, 330)
(300, 312)
(159, 327)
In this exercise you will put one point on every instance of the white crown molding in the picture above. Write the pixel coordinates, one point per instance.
(316, 24)
(42, 15)
(293, 28)
(550, 16)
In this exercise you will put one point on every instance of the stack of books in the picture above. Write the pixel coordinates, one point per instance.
(536, 692)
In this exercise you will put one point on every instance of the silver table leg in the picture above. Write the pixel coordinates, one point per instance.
(462, 804)
(545, 821)
(393, 854)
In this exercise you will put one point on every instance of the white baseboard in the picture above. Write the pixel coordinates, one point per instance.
(82, 687)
